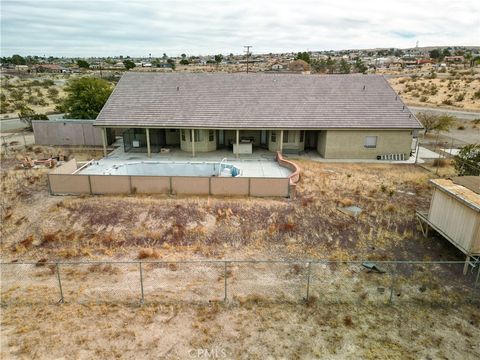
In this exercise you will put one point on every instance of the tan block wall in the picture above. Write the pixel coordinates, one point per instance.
(110, 184)
(190, 185)
(151, 184)
(349, 144)
(269, 187)
(229, 186)
(68, 184)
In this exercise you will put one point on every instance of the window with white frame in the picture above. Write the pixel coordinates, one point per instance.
(211, 135)
(273, 136)
(285, 136)
(183, 135)
(370, 142)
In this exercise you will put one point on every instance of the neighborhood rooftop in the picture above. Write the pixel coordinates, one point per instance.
(255, 101)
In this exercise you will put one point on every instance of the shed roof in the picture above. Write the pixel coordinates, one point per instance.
(462, 193)
(255, 101)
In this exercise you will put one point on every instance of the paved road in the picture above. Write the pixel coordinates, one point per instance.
(465, 115)
(15, 123)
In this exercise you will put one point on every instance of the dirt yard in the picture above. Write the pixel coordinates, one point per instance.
(461, 90)
(36, 226)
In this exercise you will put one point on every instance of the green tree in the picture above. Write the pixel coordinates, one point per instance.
(18, 60)
(171, 62)
(467, 162)
(129, 64)
(435, 122)
(436, 54)
(344, 67)
(85, 97)
(305, 56)
(27, 114)
(446, 52)
(360, 66)
(83, 64)
(184, 62)
(218, 58)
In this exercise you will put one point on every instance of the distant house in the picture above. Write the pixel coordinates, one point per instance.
(339, 116)
(49, 68)
(21, 67)
(277, 67)
(454, 59)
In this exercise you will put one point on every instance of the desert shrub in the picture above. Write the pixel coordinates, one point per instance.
(440, 162)
(460, 97)
(423, 98)
(461, 127)
(148, 253)
(476, 95)
(447, 102)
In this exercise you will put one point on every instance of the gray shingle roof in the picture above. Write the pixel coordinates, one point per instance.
(254, 101)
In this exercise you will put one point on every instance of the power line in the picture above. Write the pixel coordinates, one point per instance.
(248, 53)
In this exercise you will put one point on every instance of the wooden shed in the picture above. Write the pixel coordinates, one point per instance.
(455, 213)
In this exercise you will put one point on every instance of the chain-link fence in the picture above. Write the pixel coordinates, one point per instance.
(437, 152)
(240, 281)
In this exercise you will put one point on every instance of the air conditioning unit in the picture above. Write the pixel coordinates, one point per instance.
(136, 143)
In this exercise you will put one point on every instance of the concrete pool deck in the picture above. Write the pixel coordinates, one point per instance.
(260, 164)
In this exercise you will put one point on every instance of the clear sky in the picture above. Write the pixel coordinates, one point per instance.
(141, 27)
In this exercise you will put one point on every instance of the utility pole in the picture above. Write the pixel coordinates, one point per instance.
(248, 53)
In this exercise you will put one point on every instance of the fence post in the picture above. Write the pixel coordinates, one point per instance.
(61, 301)
(476, 284)
(309, 271)
(225, 280)
(141, 281)
(392, 286)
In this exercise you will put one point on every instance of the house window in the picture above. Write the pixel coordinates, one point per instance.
(285, 136)
(273, 136)
(302, 135)
(198, 135)
(370, 142)
(183, 135)
(211, 135)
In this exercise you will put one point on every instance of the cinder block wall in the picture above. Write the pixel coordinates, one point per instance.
(349, 144)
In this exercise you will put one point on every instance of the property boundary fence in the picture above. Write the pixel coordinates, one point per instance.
(445, 149)
(237, 281)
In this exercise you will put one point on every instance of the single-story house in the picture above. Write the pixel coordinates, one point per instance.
(340, 116)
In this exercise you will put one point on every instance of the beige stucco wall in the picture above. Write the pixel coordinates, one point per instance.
(293, 143)
(68, 184)
(190, 185)
(200, 146)
(105, 184)
(151, 184)
(269, 187)
(229, 186)
(349, 144)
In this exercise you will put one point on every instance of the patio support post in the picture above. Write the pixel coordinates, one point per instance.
(192, 138)
(237, 141)
(104, 141)
(147, 132)
(281, 141)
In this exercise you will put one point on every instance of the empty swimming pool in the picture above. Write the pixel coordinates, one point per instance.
(158, 168)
